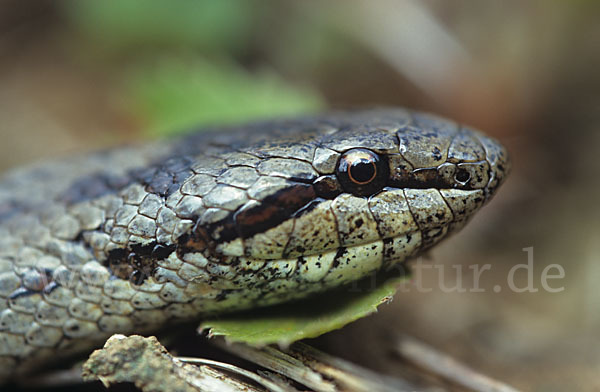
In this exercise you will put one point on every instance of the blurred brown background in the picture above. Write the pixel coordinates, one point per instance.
(82, 75)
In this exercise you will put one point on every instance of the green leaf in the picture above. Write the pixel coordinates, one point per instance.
(203, 24)
(175, 93)
(287, 323)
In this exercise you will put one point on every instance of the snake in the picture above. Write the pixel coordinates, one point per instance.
(226, 218)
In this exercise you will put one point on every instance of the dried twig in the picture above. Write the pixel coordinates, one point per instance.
(445, 367)
(146, 363)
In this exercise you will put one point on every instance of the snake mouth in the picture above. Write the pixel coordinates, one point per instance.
(270, 282)
(327, 269)
(329, 226)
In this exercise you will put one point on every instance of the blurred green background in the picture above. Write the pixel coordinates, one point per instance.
(81, 75)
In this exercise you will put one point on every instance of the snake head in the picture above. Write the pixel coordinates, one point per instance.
(333, 199)
(302, 205)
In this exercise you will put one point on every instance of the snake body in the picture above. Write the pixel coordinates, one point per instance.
(132, 238)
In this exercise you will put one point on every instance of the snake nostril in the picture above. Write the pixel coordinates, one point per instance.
(462, 176)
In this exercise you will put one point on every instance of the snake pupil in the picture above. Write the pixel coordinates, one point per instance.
(362, 171)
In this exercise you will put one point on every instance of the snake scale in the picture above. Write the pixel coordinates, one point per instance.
(130, 239)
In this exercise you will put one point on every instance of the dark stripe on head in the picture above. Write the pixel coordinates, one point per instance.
(137, 261)
(274, 210)
(250, 220)
(161, 178)
(166, 177)
(21, 292)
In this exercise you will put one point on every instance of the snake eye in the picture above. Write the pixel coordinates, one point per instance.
(362, 172)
